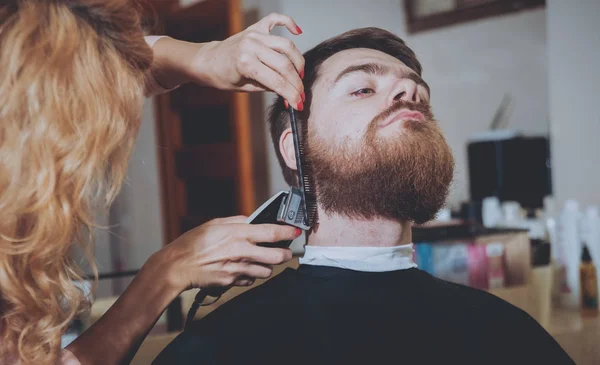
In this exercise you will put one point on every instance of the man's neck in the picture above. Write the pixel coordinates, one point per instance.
(337, 230)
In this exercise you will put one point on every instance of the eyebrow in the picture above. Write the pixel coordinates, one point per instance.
(372, 68)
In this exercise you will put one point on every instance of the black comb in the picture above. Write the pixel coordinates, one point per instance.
(305, 176)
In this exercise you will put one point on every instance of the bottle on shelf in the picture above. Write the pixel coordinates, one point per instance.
(589, 285)
(569, 255)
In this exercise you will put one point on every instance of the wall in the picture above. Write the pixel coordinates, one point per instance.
(469, 67)
(573, 54)
(136, 224)
(144, 212)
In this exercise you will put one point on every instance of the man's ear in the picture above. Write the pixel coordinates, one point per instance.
(286, 147)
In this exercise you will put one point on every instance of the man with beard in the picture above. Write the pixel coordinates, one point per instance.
(380, 164)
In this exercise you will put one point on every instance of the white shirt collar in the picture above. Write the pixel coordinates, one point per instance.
(370, 259)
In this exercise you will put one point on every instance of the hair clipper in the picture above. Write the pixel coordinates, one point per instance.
(285, 207)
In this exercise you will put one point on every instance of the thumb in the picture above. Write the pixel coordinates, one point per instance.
(229, 220)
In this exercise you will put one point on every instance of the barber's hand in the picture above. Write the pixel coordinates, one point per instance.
(255, 60)
(223, 252)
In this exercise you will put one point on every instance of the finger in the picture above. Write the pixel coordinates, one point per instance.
(259, 233)
(253, 271)
(244, 282)
(253, 86)
(276, 82)
(284, 46)
(266, 24)
(266, 255)
(229, 220)
(282, 65)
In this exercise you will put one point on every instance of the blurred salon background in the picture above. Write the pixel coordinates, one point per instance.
(514, 87)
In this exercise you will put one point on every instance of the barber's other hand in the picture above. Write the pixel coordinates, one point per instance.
(222, 253)
(255, 60)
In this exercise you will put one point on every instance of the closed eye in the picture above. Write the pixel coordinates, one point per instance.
(362, 92)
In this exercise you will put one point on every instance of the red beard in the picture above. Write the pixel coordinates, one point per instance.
(405, 178)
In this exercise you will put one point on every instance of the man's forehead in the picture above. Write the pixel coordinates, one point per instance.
(332, 66)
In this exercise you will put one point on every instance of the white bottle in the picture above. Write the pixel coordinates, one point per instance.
(444, 215)
(570, 250)
(590, 230)
(491, 213)
(590, 233)
(495, 258)
(552, 227)
(557, 256)
(513, 215)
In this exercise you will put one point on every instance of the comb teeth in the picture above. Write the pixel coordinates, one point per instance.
(309, 188)
(304, 172)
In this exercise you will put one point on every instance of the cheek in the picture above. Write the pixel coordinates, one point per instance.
(343, 124)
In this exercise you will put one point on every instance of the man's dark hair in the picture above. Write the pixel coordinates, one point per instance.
(373, 38)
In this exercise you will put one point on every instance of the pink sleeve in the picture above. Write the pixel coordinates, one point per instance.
(67, 358)
(151, 39)
(153, 88)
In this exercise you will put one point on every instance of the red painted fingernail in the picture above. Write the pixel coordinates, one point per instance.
(303, 96)
(298, 232)
(286, 104)
(298, 29)
(302, 74)
(300, 106)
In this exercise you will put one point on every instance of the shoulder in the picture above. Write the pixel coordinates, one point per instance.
(461, 296)
(261, 299)
(497, 325)
(478, 305)
(459, 305)
(240, 318)
(247, 309)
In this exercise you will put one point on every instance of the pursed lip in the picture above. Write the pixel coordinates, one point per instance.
(404, 114)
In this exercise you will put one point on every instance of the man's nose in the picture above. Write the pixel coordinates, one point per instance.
(405, 90)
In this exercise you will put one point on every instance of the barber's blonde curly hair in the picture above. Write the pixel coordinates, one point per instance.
(71, 88)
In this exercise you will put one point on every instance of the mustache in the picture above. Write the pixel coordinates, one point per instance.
(422, 108)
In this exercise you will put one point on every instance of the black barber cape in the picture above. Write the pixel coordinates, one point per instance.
(325, 315)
